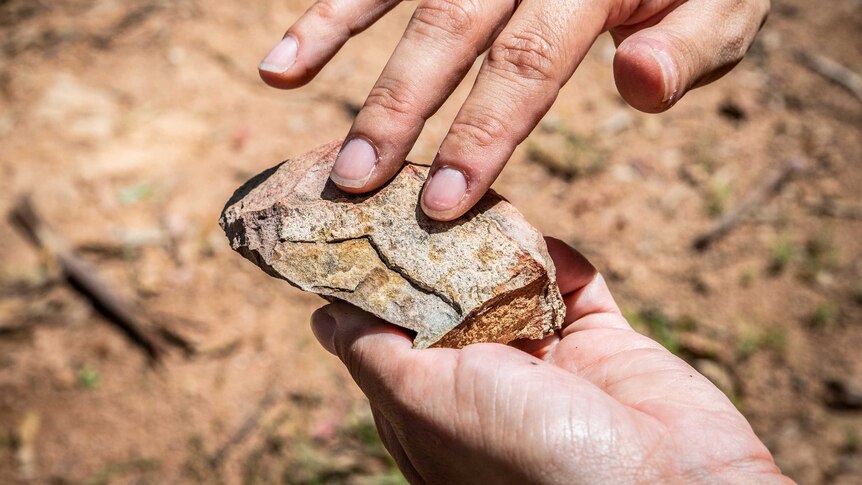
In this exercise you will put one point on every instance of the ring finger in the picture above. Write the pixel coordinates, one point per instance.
(315, 38)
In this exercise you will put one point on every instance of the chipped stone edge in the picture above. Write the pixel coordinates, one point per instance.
(249, 244)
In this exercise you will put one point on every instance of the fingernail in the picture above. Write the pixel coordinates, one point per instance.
(354, 164)
(445, 190)
(323, 326)
(281, 57)
(669, 74)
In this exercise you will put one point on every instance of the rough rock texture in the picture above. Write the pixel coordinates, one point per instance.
(485, 277)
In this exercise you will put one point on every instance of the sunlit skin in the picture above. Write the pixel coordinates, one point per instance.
(665, 49)
(595, 403)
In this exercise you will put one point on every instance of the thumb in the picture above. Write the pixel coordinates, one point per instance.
(691, 46)
(375, 353)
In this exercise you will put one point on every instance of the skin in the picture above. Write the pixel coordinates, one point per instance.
(665, 49)
(595, 403)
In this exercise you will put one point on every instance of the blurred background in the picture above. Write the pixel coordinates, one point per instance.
(129, 124)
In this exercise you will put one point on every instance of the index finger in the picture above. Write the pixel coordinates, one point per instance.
(315, 38)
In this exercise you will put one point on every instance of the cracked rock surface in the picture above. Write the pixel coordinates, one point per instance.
(485, 277)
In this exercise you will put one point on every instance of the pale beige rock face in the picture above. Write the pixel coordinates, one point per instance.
(485, 277)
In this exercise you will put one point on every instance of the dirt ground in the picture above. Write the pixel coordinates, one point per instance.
(130, 126)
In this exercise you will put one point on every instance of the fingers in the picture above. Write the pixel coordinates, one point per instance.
(323, 326)
(540, 349)
(573, 273)
(589, 303)
(339, 327)
(530, 60)
(315, 38)
(573, 270)
(379, 356)
(393, 445)
(693, 45)
(588, 300)
(591, 307)
(424, 398)
(441, 43)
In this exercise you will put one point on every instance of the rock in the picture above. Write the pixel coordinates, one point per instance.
(486, 277)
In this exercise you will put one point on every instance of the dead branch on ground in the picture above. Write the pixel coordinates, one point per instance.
(151, 338)
(768, 187)
(832, 71)
(270, 398)
(836, 209)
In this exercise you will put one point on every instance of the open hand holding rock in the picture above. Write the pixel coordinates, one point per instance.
(594, 403)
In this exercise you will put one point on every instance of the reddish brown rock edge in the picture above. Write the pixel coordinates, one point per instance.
(486, 277)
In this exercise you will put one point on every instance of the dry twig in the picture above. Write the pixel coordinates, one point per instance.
(836, 209)
(833, 71)
(769, 186)
(152, 339)
(270, 398)
(135, 16)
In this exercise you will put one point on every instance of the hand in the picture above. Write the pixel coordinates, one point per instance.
(665, 48)
(596, 403)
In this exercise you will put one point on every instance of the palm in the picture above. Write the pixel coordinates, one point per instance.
(683, 426)
(596, 403)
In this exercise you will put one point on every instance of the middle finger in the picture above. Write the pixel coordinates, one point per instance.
(441, 43)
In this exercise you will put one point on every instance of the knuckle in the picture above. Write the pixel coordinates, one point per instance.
(736, 48)
(526, 54)
(483, 129)
(738, 36)
(745, 19)
(447, 17)
(393, 97)
(326, 10)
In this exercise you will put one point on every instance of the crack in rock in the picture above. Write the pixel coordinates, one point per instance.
(418, 285)
(486, 277)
